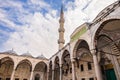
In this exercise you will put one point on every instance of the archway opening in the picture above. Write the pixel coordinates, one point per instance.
(6, 68)
(56, 69)
(41, 69)
(50, 70)
(66, 66)
(107, 42)
(105, 57)
(23, 70)
(84, 67)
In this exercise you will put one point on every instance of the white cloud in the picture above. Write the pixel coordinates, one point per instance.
(96, 6)
(36, 38)
(41, 3)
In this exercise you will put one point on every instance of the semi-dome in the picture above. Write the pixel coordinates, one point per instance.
(41, 57)
(27, 55)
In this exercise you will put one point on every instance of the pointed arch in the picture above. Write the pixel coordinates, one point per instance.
(56, 68)
(80, 44)
(4, 59)
(66, 64)
(103, 26)
(105, 42)
(65, 53)
(65, 58)
(82, 59)
(41, 66)
(6, 67)
(28, 62)
(56, 60)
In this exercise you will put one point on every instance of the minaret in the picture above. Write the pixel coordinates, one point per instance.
(61, 29)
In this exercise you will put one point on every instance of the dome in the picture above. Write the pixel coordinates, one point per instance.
(27, 55)
(41, 57)
(11, 52)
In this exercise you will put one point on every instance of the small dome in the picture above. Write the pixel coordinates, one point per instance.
(41, 57)
(11, 52)
(27, 55)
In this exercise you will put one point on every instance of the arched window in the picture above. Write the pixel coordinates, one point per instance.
(89, 66)
(81, 67)
(7, 78)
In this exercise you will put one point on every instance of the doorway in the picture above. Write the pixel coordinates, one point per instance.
(16, 78)
(109, 72)
(7, 78)
(37, 77)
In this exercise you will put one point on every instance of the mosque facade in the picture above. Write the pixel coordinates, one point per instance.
(93, 53)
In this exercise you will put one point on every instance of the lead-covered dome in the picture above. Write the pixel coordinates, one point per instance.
(11, 52)
(41, 57)
(27, 55)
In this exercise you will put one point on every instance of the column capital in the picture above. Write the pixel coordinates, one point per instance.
(60, 65)
(93, 52)
(32, 71)
(73, 60)
(53, 69)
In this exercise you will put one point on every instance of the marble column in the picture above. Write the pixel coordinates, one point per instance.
(31, 76)
(52, 74)
(47, 75)
(97, 67)
(73, 70)
(12, 76)
(60, 71)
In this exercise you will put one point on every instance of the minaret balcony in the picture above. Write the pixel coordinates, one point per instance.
(61, 30)
(61, 41)
(61, 20)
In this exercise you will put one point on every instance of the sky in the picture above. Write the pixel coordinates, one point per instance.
(31, 26)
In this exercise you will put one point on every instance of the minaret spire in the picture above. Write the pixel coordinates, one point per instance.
(61, 29)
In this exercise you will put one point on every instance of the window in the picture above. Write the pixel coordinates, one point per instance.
(7, 78)
(66, 71)
(82, 68)
(16, 78)
(70, 70)
(89, 66)
(63, 71)
(83, 79)
(91, 78)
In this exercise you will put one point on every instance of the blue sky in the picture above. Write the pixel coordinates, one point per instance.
(32, 25)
